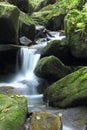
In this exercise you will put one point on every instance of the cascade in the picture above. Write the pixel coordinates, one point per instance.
(25, 82)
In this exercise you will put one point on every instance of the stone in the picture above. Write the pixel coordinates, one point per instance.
(51, 69)
(12, 113)
(25, 41)
(58, 48)
(27, 26)
(9, 27)
(68, 91)
(44, 121)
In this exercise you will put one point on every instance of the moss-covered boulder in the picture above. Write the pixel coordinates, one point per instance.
(13, 110)
(68, 91)
(27, 26)
(9, 16)
(51, 68)
(58, 48)
(45, 121)
(75, 27)
(53, 15)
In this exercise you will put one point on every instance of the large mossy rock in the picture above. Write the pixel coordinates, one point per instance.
(9, 27)
(13, 110)
(51, 68)
(68, 91)
(75, 28)
(45, 121)
(27, 26)
(58, 48)
(53, 15)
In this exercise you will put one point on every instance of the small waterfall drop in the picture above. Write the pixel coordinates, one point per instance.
(26, 63)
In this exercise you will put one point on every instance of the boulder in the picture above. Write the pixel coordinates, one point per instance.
(45, 121)
(27, 26)
(9, 27)
(75, 28)
(58, 48)
(12, 113)
(51, 69)
(68, 91)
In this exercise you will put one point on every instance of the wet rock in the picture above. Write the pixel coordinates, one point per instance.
(6, 90)
(25, 41)
(44, 121)
(69, 91)
(51, 68)
(12, 113)
(9, 16)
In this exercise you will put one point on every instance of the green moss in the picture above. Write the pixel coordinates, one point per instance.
(68, 89)
(24, 18)
(52, 11)
(12, 113)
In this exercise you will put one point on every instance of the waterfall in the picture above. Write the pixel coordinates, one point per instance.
(28, 58)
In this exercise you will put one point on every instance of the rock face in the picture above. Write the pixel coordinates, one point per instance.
(9, 16)
(75, 27)
(51, 68)
(12, 113)
(68, 91)
(45, 121)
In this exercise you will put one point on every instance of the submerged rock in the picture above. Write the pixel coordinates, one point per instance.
(44, 121)
(12, 113)
(51, 68)
(68, 91)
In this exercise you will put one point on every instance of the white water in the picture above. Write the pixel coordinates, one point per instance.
(24, 81)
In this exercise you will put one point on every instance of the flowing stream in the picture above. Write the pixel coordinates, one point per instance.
(25, 82)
